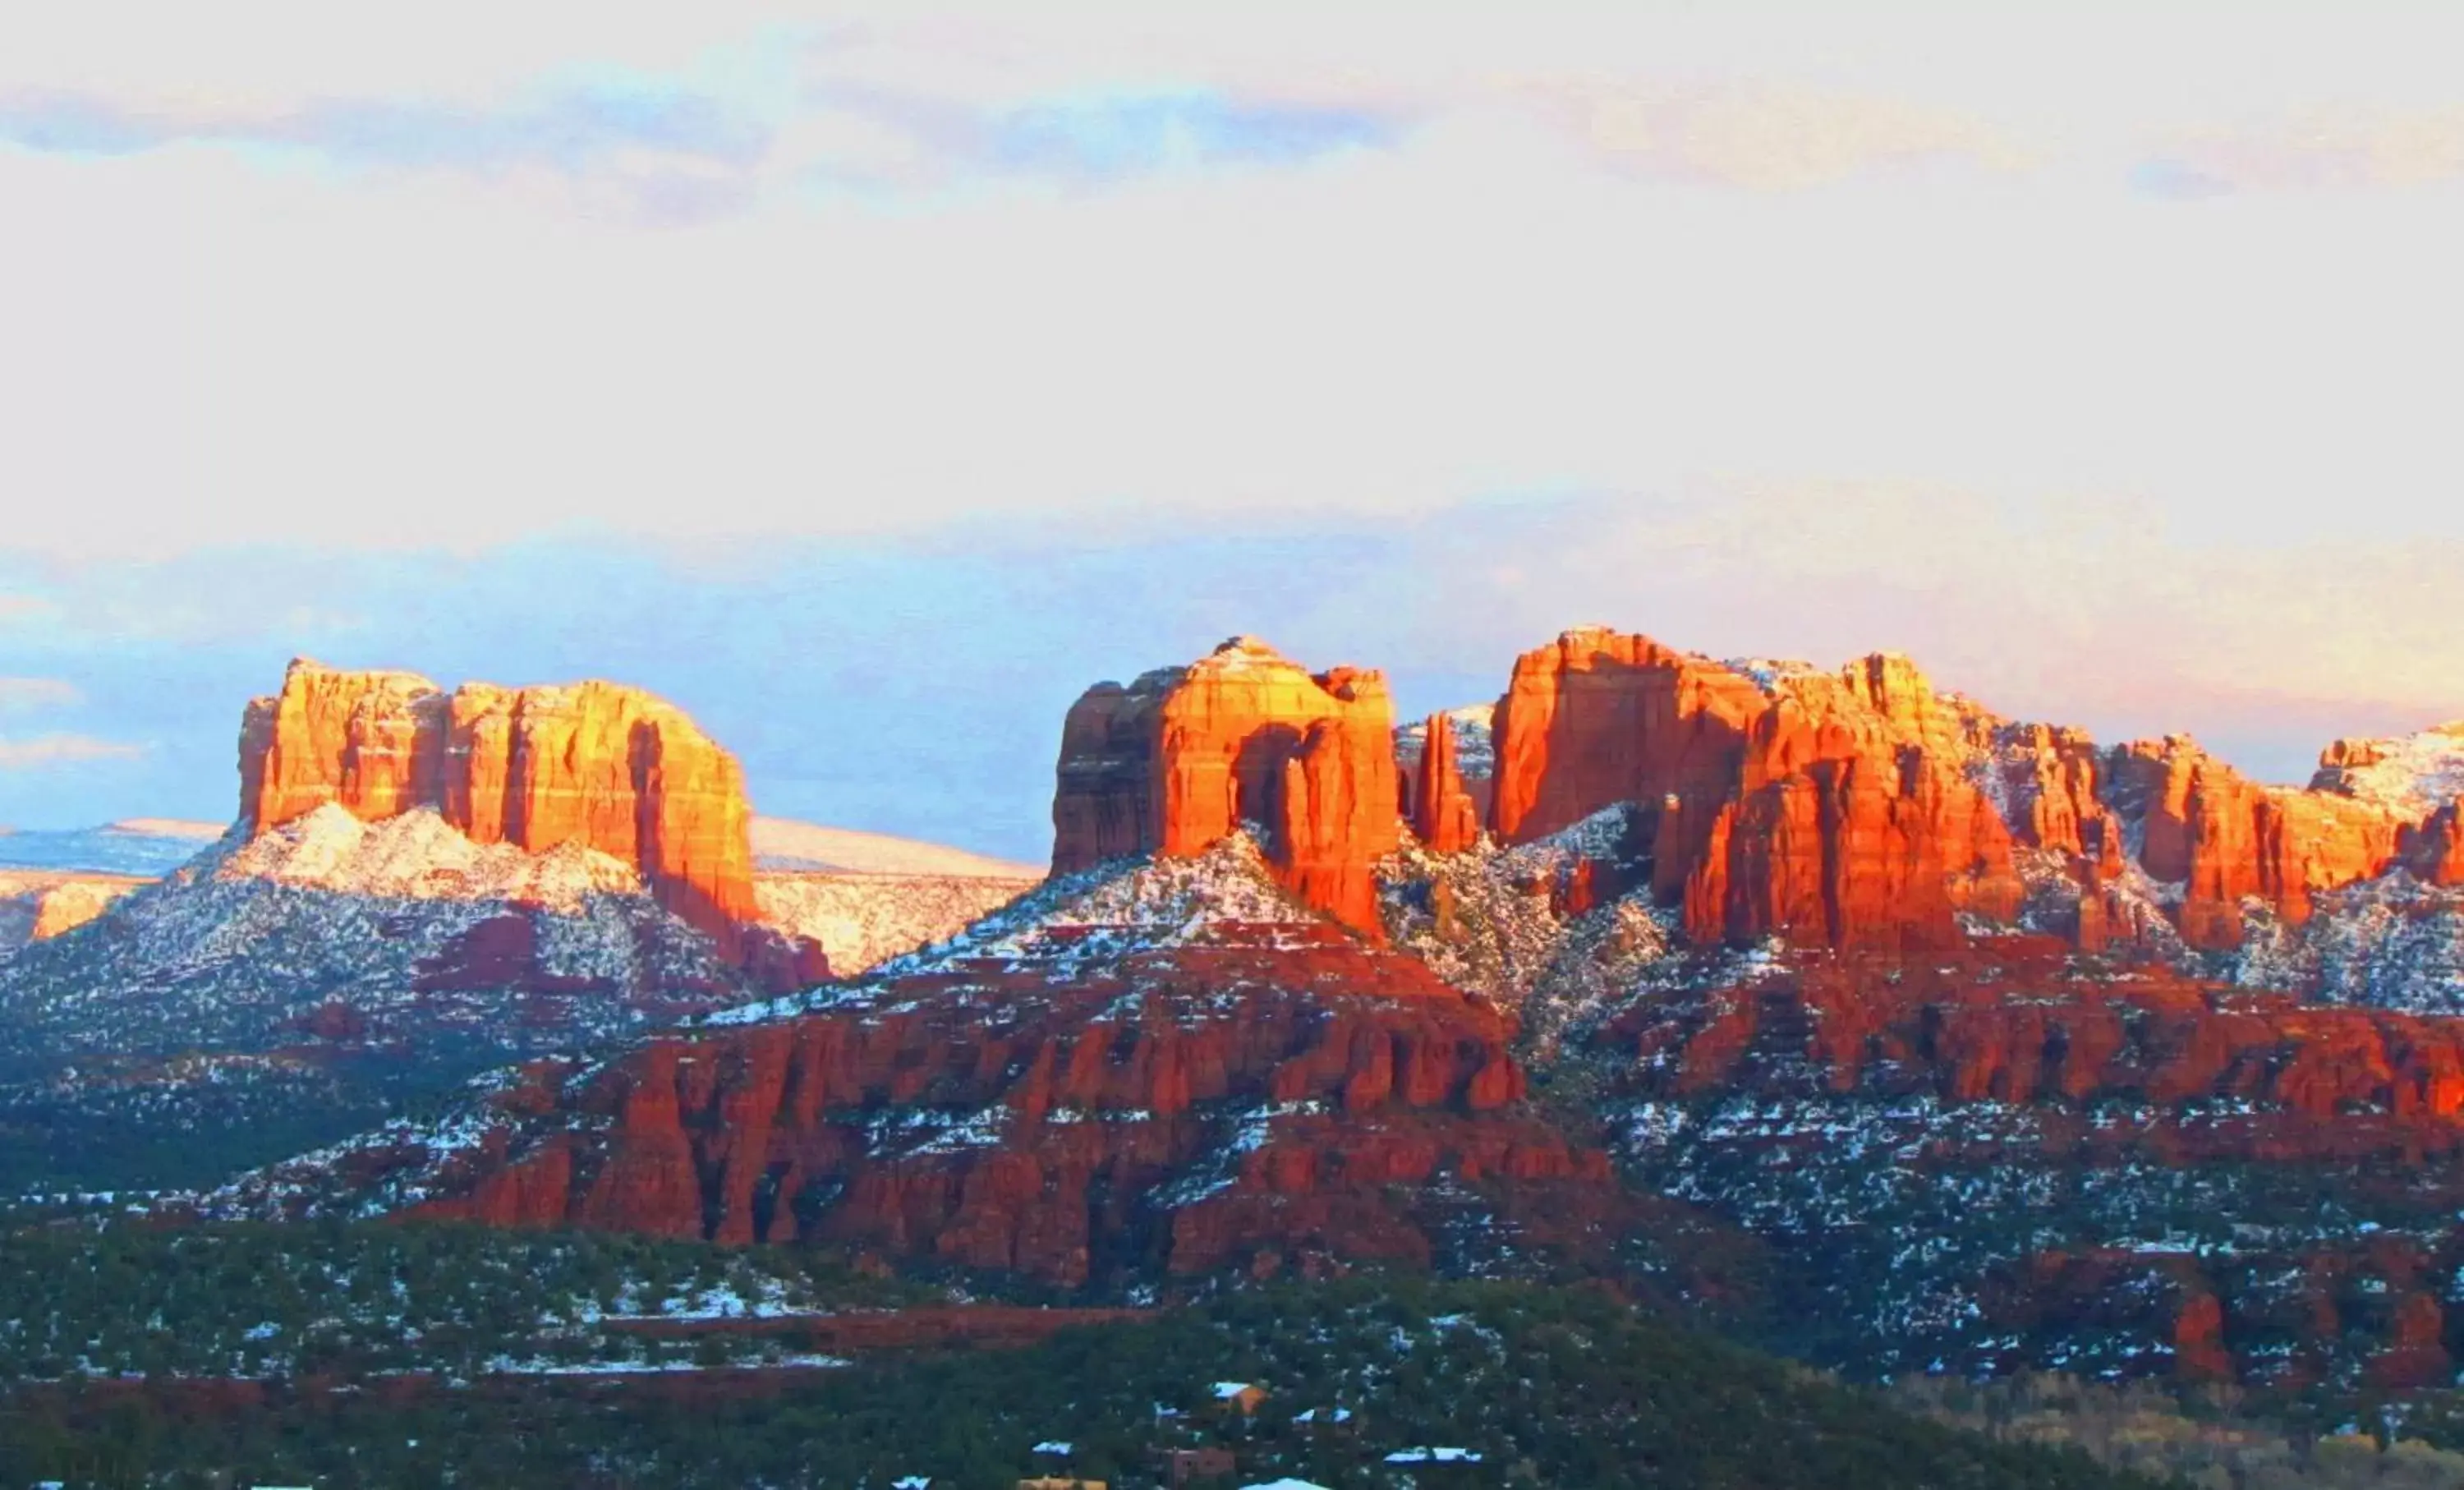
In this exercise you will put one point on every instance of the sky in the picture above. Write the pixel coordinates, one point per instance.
(871, 378)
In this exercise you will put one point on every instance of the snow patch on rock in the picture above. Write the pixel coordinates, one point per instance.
(418, 855)
(2414, 774)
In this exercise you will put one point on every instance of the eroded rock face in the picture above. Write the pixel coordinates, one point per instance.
(2222, 837)
(1443, 815)
(1864, 810)
(1955, 1094)
(1839, 809)
(2434, 851)
(1185, 758)
(606, 767)
(1856, 823)
(1600, 718)
(1176, 1110)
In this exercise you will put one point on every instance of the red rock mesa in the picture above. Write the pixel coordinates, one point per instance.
(611, 768)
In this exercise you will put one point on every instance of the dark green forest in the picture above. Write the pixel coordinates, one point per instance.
(1547, 1387)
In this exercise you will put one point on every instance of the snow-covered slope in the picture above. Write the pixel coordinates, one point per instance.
(863, 919)
(419, 856)
(402, 931)
(277, 993)
(136, 846)
(1115, 908)
(783, 843)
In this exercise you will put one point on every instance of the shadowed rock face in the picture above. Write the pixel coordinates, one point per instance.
(1261, 1096)
(609, 768)
(1185, 756)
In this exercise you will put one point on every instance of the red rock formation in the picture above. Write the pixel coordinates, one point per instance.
(2225, 838)
(1443, 813)
(2050, 776)
(2016, 1025)
(1597, 718)
(999, 1118)
(1823, 808)
(1184, 758)
(1853, 825)
(2417, 1349)
(2199, 1352)
(609, 767)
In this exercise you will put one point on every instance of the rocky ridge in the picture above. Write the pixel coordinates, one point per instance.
(1171, 1069)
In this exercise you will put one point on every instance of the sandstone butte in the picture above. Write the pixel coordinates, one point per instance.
(1859, 809)
(1833, 809)
(1183, 758)
(1863, 809)
(609, 767)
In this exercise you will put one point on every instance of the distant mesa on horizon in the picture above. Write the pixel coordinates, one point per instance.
(144, 846)
(785, 843)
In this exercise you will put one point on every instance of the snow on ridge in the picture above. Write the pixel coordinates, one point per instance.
(1122, 906)
(1475, 740)
(2418, 772)
(862, 920)
(417, 855)
(1771, 674)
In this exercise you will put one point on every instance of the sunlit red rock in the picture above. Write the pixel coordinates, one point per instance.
(1855, 823)
(2224, 838)
(1443, 815)
(1186, 757)
(608, 767)
(1600, 718)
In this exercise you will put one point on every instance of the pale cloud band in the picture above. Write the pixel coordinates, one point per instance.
(42, 751)
(2346, 148)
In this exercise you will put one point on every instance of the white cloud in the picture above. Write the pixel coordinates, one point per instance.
(1544, 281)
(1771, 138)
(2318, 149)
(41, 751)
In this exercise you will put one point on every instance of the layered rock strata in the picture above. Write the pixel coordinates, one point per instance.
(1243, 739)
(594, 764)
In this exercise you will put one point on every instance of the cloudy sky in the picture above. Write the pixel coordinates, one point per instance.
(870, 378)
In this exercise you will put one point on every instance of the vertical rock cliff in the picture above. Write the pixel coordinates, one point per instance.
(1856, 823)
(1836, 809)
(2223, 837)
(1186, 757)
(1443, 814)
(606, 767)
